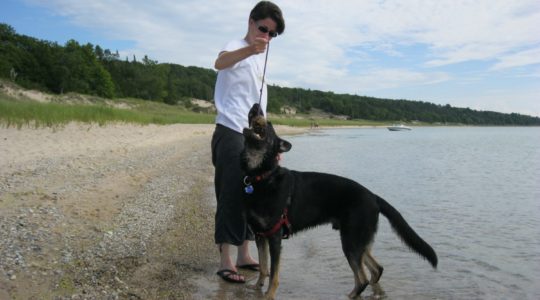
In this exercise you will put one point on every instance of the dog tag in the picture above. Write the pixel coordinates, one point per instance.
(248, 189)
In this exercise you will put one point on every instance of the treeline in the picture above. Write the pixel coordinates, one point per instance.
(89, 69)
(369, 108)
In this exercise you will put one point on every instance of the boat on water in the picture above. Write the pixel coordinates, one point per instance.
(398, 127)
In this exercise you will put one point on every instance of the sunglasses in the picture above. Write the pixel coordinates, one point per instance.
(264, 29)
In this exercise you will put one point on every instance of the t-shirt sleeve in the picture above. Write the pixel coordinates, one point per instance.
(232, 45)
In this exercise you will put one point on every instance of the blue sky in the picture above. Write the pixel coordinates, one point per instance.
(482, 54)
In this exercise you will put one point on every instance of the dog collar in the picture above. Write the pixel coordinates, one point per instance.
(249, 180)
(257, 178)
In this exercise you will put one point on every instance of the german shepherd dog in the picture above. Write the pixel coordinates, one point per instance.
(280, 202)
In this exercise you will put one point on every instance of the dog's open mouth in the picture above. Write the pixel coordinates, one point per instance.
(258, 127)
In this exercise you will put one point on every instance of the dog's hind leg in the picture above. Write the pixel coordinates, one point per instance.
(360, 278)
(262, 248)
(374, 268)
(355, 255)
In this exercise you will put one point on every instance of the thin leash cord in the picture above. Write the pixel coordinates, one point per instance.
(264, 73)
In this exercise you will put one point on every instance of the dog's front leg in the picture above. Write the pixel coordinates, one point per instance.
(275, 253)
(262, 249)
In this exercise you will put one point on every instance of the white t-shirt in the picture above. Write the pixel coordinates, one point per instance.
(238, 88)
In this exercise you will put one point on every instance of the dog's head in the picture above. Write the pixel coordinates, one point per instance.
(262, 146)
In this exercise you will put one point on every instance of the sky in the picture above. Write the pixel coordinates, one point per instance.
(481, 54)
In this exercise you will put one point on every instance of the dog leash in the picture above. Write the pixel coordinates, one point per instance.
(262, 82)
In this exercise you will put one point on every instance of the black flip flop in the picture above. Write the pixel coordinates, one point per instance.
(251, 267)
(226, 275)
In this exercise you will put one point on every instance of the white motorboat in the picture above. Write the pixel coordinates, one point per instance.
(398, 127)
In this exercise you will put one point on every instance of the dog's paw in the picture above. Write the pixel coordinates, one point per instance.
(260, 283)
(269, 296)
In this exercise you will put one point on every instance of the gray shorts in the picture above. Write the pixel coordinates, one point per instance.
(231, 223)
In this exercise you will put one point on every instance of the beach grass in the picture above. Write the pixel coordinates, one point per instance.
(18, 113)
(59, 110)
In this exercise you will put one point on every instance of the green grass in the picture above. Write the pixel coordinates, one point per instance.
(18, 113)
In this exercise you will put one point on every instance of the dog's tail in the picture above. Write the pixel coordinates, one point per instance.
(406, 233)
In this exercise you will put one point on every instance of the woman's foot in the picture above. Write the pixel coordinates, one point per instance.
(251, 267)
(244, 259)
(231, 276)
(227, 270)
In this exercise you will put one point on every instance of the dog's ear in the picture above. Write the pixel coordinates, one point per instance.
(284, 146)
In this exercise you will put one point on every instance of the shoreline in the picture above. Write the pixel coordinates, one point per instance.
(112, 212)
(91, 211)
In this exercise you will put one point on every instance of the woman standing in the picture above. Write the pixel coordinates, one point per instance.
(240, 68)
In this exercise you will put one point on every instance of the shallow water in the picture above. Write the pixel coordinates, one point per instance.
(472, 193)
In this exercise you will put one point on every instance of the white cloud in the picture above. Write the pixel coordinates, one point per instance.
(455, 30)
(503, 101)
(523, 58)
(320, 47)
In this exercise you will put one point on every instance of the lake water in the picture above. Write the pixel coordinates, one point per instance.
(472, 193)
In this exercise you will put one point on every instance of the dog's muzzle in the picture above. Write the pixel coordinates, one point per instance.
(258, 127)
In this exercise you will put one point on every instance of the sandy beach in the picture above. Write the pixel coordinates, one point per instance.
(114, 212)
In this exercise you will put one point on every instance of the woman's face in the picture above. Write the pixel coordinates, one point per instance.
(265, 28)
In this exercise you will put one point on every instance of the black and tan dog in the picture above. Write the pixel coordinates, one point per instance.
(281, 202)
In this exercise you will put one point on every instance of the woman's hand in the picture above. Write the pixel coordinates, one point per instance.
(259, 45)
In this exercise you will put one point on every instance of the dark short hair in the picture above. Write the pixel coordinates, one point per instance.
(267, 9)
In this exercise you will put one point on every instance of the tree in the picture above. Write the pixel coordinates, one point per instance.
(99, 52)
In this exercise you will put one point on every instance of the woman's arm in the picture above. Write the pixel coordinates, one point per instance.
(227, 59)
